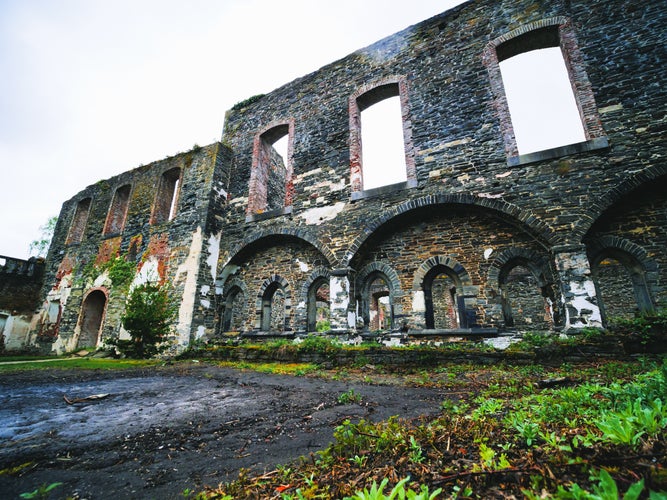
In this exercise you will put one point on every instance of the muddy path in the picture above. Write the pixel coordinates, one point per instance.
(163, 430)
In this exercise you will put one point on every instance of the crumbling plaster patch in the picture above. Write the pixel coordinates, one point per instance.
(213, 253)
(189, 268)
(581, 302)
(322, 214)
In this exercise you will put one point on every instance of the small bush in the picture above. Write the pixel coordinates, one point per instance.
(645, 325)
(148, 317)
(319, 344)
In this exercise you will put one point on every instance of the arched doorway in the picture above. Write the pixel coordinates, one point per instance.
(527, 302)
(375, 297)
(621, 285)
(91, 318)
(318, 305)
(273, 309)
(441, 299)
(233, 313)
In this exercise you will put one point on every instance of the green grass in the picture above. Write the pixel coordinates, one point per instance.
(81, 363)
(296, 369)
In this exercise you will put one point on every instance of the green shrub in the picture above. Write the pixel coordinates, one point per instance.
(319, 344)
(645, 325)
(323, 326)
(121, 272)
(148, 317)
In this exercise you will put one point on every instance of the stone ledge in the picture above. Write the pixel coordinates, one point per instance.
(382, 190)
(548, 154)
(269, 214)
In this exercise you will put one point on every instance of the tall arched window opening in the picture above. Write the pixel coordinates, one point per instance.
(118, 210)
(79, 221)
(166, 200)
(539, 93)
(543, 97)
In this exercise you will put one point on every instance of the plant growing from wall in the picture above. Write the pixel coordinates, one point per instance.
(40, 246)
(121, 272)
(148, 316)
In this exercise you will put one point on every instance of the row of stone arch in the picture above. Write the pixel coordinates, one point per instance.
(443, 293)
(510, 211)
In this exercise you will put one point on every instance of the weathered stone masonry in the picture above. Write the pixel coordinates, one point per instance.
(477, 236)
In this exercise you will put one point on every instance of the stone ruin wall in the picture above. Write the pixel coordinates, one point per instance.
(477, 236)
(468, 192)
(181, 252)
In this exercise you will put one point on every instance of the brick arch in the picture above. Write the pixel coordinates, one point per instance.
(234, 281)
(319, 272)
(507, 211)
(363, 282)
(440, 260)
(614, 245)
(616, 193)
(597, 246)
(381, 268)
(282, 283)
(642, 268)
(536, 263)
(296, 233)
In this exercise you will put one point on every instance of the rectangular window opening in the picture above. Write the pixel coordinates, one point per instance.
(383, 145)
(542, 105)
(271, 190)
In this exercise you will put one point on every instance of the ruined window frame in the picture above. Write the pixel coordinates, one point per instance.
(581, 88)
(117, 213)
(169, 188)
(77, 228)
(257, 186)
(363, 98)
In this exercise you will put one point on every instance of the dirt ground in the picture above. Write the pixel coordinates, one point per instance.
(163, 430)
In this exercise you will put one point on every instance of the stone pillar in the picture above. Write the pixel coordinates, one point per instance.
(341, 317)
(578, 295)
(418, 313)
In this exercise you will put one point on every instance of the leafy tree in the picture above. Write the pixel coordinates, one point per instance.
(148, 317)
(40, 247)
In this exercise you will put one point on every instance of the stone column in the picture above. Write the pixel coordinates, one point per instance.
(578, 294)
(418, 314)
(341, 317)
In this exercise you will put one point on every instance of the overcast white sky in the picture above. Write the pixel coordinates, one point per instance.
(92, 88)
